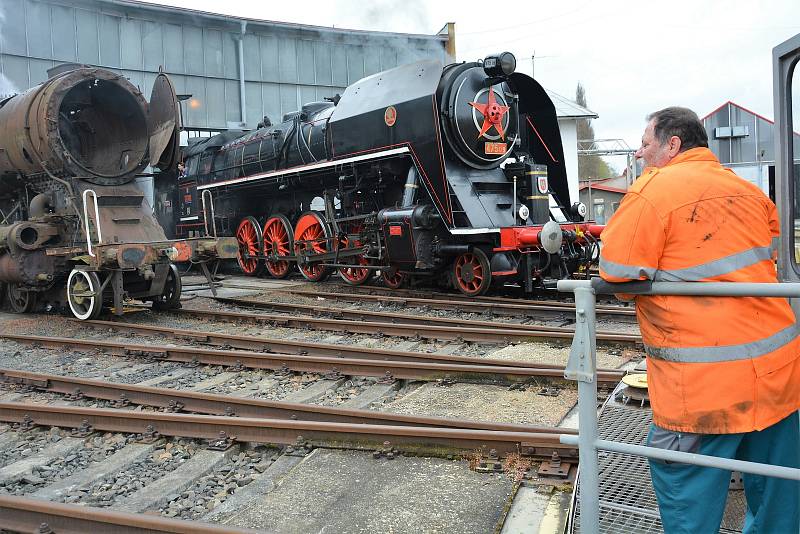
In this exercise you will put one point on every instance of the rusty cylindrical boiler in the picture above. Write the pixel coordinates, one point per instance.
(89, 123)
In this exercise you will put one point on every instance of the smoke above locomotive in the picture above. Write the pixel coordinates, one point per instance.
(76, 232)
(420, 171)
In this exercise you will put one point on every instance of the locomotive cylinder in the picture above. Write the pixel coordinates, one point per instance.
(90, 123)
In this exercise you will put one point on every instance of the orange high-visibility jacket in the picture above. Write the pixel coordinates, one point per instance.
(716, 365)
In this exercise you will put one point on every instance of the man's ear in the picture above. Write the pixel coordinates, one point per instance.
(674, 145)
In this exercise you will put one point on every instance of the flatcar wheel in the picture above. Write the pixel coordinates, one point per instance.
(278, 241)
(249, 236)
(83, 294)
(471, 273)
(311, 235)
(171, 296)
(392, 278)
(20, 300)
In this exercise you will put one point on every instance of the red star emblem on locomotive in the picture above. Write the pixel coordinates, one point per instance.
(492, 115)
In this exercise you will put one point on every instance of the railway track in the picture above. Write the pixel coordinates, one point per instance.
(20, 514)
(187, 426)
(383, 316)
(486, 333)
(435, 441)
(228, 424)
(367, 291)
(482, 305)
(227, 405)
(478, 371)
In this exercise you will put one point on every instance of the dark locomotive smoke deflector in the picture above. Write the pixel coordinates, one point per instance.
(311, 167)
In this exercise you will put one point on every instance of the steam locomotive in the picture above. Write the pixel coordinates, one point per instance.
(454, 172)
(75, 229)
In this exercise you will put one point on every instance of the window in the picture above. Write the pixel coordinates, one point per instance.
(599, 210)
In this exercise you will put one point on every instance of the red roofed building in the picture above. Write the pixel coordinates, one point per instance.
(602, 197)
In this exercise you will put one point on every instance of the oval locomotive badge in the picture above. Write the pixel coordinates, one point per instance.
(390, 116)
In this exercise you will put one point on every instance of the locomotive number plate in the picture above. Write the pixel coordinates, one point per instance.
(495, 148)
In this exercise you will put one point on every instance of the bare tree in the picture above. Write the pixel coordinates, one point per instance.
(589, 167)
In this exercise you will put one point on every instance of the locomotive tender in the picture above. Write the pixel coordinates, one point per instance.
(423, 170)
(75, 229)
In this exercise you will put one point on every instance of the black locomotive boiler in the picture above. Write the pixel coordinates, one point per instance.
(76, 231)
(423, 170)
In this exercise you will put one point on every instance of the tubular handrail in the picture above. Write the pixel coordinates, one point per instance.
(85, 195)
(205, 212)
(582, 367)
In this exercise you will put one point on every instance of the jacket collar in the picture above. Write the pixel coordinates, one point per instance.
(693, 154)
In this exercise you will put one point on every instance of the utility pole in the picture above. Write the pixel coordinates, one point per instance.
(533, 64)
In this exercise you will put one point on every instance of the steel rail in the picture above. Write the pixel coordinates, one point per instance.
(485, 335)
(496, 305)
(20, 514)
(419, 440)
(213, 404)
(389, 317)
(312, 364)
(314, 349)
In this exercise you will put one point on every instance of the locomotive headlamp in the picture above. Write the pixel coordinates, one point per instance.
(579, 210)
(500, 65)
(524, 212)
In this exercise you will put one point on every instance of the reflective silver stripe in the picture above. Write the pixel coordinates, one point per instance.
(631, 272)
(725, 265)
(725, 353)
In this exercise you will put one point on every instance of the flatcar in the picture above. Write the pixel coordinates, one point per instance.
(76, 231)
(450, 172)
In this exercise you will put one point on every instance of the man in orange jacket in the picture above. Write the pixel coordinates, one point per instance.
(723, 373)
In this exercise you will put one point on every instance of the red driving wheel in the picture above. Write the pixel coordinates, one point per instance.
(471, 273)
(248, 234)
(311, 235)
(353, 275)
(278, 242)
(392, 278)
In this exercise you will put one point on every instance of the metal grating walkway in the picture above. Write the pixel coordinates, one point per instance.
(627, 502)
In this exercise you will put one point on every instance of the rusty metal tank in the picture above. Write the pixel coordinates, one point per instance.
(87, 123)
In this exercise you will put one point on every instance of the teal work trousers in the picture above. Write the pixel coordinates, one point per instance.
(691, 499)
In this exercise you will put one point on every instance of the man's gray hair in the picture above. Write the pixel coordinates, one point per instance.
(680, 122)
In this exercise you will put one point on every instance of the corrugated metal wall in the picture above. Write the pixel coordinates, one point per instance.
(749, 155)
(285, 65)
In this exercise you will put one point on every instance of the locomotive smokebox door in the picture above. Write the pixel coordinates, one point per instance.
(481, 122)
(163, 123)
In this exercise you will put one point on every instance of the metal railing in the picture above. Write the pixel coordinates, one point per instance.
(582, 367)
(86, 220)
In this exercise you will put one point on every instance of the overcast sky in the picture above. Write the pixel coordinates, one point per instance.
(633, 57)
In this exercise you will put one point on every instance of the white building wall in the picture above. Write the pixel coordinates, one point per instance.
(569, 140)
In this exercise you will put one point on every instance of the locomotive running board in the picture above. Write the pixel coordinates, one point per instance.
(310, 167)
